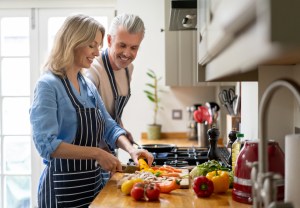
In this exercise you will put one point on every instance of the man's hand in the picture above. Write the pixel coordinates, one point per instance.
(142, 153)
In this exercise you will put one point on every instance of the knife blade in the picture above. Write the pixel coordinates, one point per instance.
(126, 168)
(129, 168)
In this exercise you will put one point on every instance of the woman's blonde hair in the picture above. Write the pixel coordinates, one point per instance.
(77, 31)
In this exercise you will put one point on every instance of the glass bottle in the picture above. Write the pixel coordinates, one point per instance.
(236, 148)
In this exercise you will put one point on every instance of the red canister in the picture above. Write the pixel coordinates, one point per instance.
(242, 185)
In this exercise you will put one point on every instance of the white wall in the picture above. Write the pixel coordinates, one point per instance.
(137, 113)
(282, 112)
(249, 110)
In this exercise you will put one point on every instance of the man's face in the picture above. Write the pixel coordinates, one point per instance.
(123, 48)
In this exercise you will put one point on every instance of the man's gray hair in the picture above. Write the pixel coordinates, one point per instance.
(132, 23)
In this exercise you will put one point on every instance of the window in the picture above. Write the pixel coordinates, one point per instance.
(25, 39)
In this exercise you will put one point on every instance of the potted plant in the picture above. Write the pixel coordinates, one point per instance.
(152, 93)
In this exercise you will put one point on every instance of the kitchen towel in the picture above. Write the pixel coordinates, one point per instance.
(292, 169)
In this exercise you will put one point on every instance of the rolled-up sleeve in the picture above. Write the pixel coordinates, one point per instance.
(43, 118)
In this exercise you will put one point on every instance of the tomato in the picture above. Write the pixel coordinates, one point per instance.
(152, 192)
(127, 185)
(138, 191)
(145, 191)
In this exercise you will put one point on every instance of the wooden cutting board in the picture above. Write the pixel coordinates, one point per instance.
(184, 183)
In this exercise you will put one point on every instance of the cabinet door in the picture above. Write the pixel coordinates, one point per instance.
(180, 54)
(181, 59)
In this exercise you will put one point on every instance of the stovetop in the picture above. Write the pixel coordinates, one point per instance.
(188, 156)
(181, 156)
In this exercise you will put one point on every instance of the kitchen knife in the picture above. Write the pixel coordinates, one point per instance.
(126, 168)
(129, 168)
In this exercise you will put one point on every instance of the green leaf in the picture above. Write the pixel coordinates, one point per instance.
(151, 98)
(148, 92)
(150, 75)
(150, 85)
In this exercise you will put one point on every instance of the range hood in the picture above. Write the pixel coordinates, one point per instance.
(183, 15)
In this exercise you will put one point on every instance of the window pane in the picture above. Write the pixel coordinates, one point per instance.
(17, 191)
(15, 113)
(54, 23)
(14, 162)
(15, 79)
(0, 165)
(15, 36)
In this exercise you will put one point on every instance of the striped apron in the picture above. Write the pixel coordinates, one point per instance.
(119, 101)
(69, 182)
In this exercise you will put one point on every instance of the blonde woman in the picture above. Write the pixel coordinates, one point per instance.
(69, 120)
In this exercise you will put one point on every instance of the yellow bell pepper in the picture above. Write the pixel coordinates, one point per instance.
(143, 165)
(220, 180)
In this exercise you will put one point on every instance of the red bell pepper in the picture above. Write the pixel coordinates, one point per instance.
(203, 187)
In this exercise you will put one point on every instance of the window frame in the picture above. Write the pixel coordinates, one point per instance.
(38, 50)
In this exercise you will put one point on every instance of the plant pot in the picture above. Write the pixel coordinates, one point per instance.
(153, 131)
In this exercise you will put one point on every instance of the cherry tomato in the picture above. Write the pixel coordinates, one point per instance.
(152, 192)
(127, 185)
(138, 191)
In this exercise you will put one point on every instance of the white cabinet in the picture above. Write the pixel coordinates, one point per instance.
(180, 54)
(237, 36)
(182, 69)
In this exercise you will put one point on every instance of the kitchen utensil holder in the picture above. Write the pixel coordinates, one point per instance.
(202, 135)
(263, 192)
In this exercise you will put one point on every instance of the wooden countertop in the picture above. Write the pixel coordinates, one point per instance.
(112, 197)
(178, 138)
(180, 142)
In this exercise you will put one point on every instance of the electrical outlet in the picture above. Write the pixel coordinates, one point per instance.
(177, 114)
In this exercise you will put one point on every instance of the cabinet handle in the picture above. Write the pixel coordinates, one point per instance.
(211, 16)
(200, 38)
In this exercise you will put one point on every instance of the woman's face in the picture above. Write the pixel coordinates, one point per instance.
(83, 56)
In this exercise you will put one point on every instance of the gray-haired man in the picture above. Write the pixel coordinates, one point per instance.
(111, 72)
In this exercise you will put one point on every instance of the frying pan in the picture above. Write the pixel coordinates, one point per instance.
(158, 147)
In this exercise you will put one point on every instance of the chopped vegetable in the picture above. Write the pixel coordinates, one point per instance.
(171, 186)
(203, 187)
(204, 168)
(220, 180)
(143, 164)
(170, 174)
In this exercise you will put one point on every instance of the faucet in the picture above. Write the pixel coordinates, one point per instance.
(264, 190)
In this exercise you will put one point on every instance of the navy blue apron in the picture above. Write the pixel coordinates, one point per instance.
(69, 182)
(119, 101)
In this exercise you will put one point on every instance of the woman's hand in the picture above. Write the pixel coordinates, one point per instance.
(109, 162)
